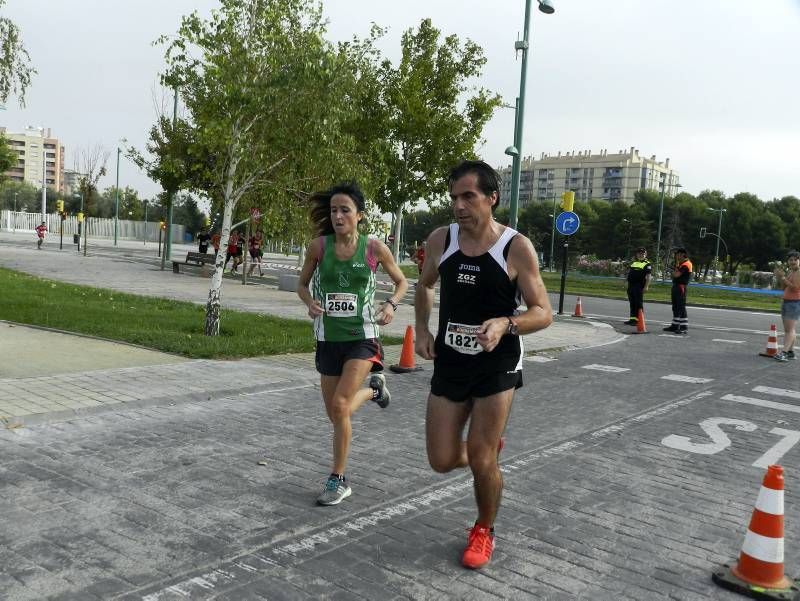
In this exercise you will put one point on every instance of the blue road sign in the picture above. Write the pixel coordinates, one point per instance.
(567, 223)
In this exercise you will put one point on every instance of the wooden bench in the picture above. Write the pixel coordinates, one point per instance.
(196, 258)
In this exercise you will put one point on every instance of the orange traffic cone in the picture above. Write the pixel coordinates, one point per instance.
(407, 354)
(759, 572)
(772, 343)
(641, 328)
(578, 308)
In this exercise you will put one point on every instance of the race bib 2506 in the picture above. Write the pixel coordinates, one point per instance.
(341, 304)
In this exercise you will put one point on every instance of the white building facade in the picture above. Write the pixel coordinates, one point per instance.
(602, 176)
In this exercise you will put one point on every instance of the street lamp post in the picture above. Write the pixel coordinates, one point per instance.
(660, 216)
(116, 200)
(516, 150)
(145, 223)
(719, 235)
(80, 224)
(553, 235)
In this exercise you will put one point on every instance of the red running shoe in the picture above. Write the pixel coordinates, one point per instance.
(479, 548)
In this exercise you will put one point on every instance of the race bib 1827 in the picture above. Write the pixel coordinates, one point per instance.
(341, 304)
(462, 338)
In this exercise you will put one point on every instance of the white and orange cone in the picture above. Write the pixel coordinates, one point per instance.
(772, 343)
(759, 572)
(578, 308)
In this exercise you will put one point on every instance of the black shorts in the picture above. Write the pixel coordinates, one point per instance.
(480, 385)
(331, 356)
(255, 254)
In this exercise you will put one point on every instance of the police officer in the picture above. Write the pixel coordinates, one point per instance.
(681, 275)
(639, 276)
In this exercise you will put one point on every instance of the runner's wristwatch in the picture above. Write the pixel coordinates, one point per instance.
(389, 301)
(513, 327)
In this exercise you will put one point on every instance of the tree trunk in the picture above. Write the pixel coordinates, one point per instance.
(215, 292)
(398, 228)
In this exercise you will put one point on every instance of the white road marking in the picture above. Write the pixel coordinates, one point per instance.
(728, 341)
(540, 359)
(761, 403)
(783, 446)
(792, 394)
(673, 336)
(610, 368)
(689, 379)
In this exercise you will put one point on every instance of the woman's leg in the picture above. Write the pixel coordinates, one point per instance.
(789, 334)
(343, 395)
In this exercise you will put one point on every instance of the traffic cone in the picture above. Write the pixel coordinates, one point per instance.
(407, 354)
(578, 308)
(641, 328)
(772, 343)
(759, 572)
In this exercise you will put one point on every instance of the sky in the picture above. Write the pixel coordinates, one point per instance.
(711, 84)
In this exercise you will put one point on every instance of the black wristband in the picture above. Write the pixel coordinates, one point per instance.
(389, 301)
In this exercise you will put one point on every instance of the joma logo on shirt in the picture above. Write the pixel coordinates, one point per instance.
(467, 267)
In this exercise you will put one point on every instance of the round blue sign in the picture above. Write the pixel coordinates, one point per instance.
(567, 223)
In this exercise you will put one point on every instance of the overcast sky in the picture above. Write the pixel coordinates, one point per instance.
(711, 84)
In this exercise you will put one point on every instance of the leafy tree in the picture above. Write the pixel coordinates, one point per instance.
(264, 96)
(15, 66)
(428, 123)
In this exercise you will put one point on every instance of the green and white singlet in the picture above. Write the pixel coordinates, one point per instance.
(346, 291)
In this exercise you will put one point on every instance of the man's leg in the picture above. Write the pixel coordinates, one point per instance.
(489, 417)
(675, 310)
(789, 334)
(683, 318)
(631, 302)
(444, 425)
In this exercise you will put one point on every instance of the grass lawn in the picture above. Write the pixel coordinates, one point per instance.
(161, 324)
(697, 295)
(578, 284)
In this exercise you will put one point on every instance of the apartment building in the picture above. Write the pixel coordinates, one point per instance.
(39, 156)
(72, 183)
(603, 176)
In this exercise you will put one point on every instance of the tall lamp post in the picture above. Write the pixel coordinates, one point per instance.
(719, 234)
(660, 216)
(515, 151)
(116, 195)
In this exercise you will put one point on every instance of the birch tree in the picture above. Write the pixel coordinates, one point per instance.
(266, 104)
(15, 63)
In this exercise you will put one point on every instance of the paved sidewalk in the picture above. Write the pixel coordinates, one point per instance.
(48, 382)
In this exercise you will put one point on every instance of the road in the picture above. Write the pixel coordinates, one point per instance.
(631, 472)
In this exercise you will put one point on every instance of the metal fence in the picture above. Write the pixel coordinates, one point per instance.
(97, 227)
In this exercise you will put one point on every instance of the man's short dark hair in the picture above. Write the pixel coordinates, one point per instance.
(641, 249)
(681, 251)
(488, 178)
(793, 253)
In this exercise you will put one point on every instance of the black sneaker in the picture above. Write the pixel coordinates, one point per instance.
(378, 382)
(781, 356)
(682, 331)
(631, 322)
(672, 328)
(790, 355)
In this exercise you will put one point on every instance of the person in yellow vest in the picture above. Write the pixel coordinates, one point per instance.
(681, 276)
(639, 276)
